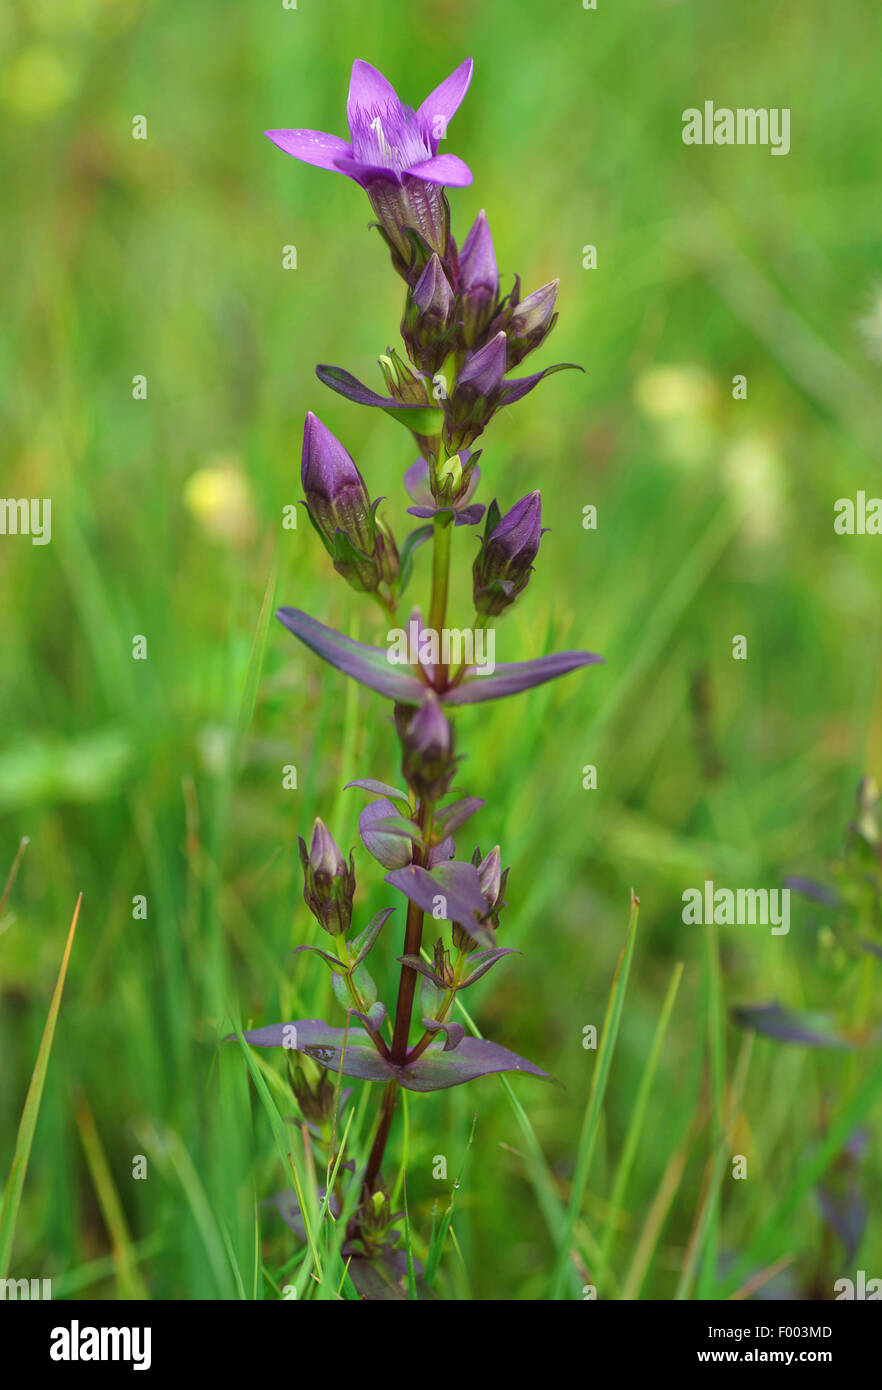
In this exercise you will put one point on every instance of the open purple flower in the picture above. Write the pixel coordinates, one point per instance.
(393, 153)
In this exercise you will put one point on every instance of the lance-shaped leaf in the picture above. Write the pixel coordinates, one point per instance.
(451, 817)
(512, 678)
(422, 419)
(369, 666)
(521, 386)
(388, 848)
(487, 960)
(368, 784)
(435, 1070)
(453, 1032)
(788, 1025)
(453, 888)
(411, 544)
(363, 944)
(332, 961)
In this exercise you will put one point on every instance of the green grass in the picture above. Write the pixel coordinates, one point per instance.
(164, 777)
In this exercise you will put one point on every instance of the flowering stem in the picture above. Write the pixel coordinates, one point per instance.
(440, 582)
(413, 931)
(390, 1096)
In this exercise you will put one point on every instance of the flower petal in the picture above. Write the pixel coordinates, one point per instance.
(441, 106)
(312, 146)
(446, 169)
(367, 88)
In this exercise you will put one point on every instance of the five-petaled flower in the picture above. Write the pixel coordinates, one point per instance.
(393, 153)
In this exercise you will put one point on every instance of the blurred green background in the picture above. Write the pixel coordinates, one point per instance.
(163, 777)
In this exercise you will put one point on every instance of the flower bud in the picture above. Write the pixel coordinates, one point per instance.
(492, 882)
(328, 884)
(316, 1104)
(476, 394)
(342, 513)
(504, 563)
(441, 964)
(428, 316)
(426, 736)
(478, 282)
(530, 323)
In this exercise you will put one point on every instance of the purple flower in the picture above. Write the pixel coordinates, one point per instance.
(478, 279)
(341, 511)
(504, 563)
(393, 153)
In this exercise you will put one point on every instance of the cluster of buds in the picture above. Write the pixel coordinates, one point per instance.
(362, 548)
(328, 881)
(462, 337)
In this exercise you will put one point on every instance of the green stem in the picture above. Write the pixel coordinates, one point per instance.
(440, 585)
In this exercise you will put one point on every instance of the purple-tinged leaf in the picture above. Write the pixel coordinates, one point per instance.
(332, 961)
(375, 1017)
(521, 386)
(422, 419)
(369, 666)
(417, 963)
(388, 849)
(453, 888)
(404, 829)
(487, 960)
(810, 889)
(317, 1039)
(453, 1032)
(435, 1070)
(871, 946)
(367, 784)
(451, 817)
(442, 852)
(788, 1025)
(512, 678)
(363, 944)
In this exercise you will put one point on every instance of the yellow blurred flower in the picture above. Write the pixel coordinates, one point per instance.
(672, 392)
(219, 497)
(35, 84)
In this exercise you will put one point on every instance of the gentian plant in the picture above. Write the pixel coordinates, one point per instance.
(461, 339)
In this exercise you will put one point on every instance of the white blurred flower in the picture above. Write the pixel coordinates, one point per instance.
(754, 473)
